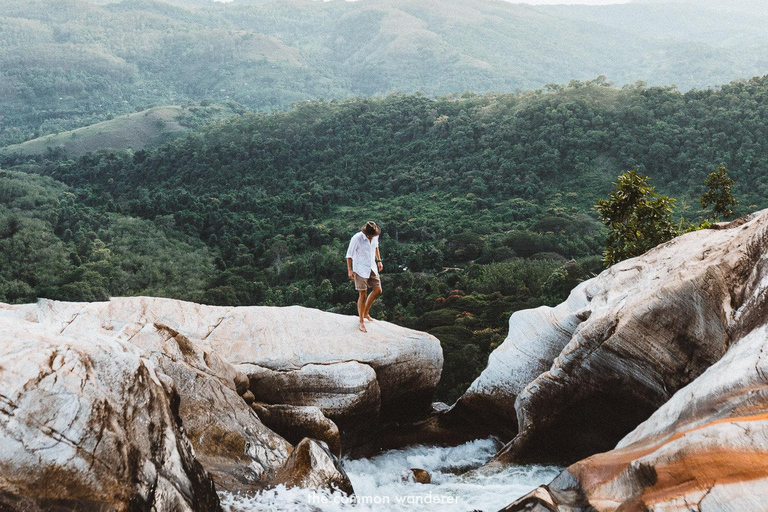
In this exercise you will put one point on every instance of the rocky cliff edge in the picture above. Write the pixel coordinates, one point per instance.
(142, 403)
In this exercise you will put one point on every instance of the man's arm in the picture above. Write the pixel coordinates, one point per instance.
(378, 260)
(350, 254)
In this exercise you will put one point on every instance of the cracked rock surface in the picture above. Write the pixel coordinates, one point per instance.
(213, 369)
(89, 424)
(705, 449)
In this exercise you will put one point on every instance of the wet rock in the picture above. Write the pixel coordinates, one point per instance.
(417, 475)
(440, 428)
(312, 465)
(538, 500)
(573, 380)
(88, 424)
(295, 423)
(439, 407)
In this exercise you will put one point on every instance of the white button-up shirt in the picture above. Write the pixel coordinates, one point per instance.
(363, 254)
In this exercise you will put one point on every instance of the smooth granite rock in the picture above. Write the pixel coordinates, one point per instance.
(706, 449)
(312, 465)
(197, 355)
(359, 380)
(571, 381)
(228, 438)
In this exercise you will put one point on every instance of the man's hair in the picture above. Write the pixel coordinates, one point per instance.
(371, 229)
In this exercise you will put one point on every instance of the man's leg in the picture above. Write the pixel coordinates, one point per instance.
(375, 292)
(361, 301)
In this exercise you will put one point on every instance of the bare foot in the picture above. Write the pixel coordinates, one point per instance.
(368, 317)
(361, 326)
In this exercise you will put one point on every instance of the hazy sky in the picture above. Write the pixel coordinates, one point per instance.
(580, 2)
(543, 2)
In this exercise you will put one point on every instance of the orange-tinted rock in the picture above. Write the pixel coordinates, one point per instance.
(418, 475)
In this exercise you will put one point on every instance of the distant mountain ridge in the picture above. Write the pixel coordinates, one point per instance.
(66, 64)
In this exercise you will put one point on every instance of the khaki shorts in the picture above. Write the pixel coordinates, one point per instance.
(362, 283)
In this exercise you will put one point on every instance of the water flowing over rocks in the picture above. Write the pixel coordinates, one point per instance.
(171, 392)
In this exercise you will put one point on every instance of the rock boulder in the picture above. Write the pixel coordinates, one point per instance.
(311, 465)
(705, 449)
(89, 424)
(303, 370)
(228, 438)
(571, 381)
(292, 355)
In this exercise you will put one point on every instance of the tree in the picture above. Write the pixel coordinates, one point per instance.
(637, 218)
(719, 194)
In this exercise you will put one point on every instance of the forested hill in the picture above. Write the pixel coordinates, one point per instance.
(483, 199)
(70, 63)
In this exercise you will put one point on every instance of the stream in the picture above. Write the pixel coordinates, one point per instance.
(457, 485)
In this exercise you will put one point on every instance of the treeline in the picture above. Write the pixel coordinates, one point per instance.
(53, 246)
(486, 202)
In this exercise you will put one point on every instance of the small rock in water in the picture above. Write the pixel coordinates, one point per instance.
(417, 475)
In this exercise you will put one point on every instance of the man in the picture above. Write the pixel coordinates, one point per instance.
(363, 267)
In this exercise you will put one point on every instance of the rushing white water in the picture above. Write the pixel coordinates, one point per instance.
(379, 484)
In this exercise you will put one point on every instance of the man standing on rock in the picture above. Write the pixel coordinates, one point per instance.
(363, 267)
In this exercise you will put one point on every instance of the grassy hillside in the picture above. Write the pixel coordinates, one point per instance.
(746, 6)
(71, 63)
(141, 130)
(133, 131)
